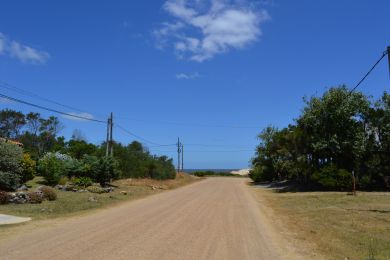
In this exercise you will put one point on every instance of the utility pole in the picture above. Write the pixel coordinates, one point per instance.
(182, 157)
(109, 141)
(178, 154)
(108, 137)
(388, 56)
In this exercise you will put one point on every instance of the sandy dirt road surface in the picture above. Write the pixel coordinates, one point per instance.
(216, 218)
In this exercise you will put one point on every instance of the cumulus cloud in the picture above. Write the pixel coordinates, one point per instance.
(77, 115)
(202, 29)
(24, 53)
(187, 76)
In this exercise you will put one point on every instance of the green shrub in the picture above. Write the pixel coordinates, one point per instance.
(3, 197)
(29, 168)
(106, 170)
(48, 193)
(10, 166)
(83, 182)
(34, 197)
(96, 189)
(161, 168)
(330, 177)
(53, 167)
(261, 173)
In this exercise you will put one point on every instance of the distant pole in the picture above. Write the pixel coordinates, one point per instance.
(111, 141)
(388, 56)
(178, 155)
(182, 157)
(108, 136)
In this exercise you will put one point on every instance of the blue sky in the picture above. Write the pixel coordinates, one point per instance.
(213, 72)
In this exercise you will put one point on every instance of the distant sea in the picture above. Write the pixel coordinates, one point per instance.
(214, 170)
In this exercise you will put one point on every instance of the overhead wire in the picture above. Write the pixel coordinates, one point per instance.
(8, 86)
(141, 138)
(369, 72)
(50, 109)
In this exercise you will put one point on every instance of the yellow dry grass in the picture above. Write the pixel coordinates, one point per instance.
(335, 225)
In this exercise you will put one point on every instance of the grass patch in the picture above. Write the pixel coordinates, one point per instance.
(338, 225)
(73, 203)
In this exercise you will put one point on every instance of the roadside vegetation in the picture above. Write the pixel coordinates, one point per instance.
(334, 224)
(339, 138)
(214, 174)
(30, 146)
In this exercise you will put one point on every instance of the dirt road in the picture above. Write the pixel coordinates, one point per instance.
(213, 219)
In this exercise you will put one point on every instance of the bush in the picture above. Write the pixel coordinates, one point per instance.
(9, 181)
(48, 193)
(161, 168)
(106, 170)
(10, 166)
(53, 166)
(261, 173)
(29, 168)
(83, 182)
(96, 189)
(330, 177)
(34, 197)
(3, 197)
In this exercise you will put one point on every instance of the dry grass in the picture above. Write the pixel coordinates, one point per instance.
(334, 224)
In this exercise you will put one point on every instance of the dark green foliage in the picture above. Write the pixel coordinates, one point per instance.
(161, 168)
(3, 197)
(10, 166)
(213, 173)
(136, 162)
(330, 177)
(11, 123)
(335, 135)
(48, 193)
(106, 170)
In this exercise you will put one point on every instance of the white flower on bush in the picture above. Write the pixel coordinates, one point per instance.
(58, 155)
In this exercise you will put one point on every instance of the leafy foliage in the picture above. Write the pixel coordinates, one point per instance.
(10, 166)
(336, 134)
(82, 182)
(29, 168)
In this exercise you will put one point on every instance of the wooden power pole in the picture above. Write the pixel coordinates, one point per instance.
(182, 157)
(388, 56)
(178, 154)
(109, 141)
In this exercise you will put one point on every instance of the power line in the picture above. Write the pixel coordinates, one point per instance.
(206, 151)
(8, 86)
(141, 138)
(369, 72)
(188, 124)
(50, 109)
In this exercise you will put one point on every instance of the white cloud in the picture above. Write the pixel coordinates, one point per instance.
(5, 100)
(205, 28)
(85, 115)
(188, 76)
(24, 53)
